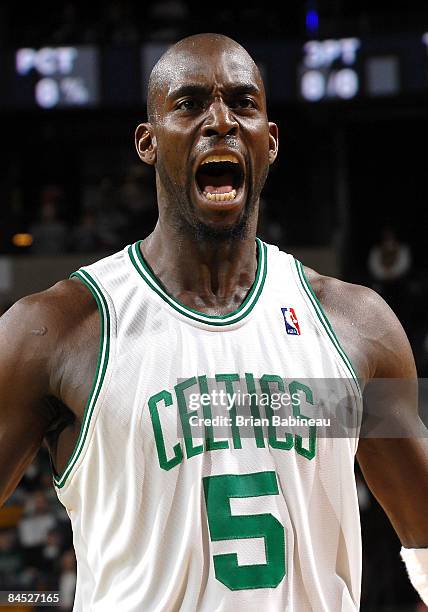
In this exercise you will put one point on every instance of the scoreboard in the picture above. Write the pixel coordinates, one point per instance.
(328, 69)
(52, 77)
(58, 76)
(348, 68)
(312, 71)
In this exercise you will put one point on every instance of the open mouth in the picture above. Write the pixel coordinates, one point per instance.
(219, 177)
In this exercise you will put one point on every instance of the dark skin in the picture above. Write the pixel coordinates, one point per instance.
(49, 341)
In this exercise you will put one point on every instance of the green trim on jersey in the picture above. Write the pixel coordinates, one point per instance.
(325, 322)
(244, 309)
(103, 354)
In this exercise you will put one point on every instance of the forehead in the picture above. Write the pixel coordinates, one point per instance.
(211, 67)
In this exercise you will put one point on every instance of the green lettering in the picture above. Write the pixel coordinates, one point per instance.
(210, 443)
(265, 380)
(185, 416)
(255, 412)
(164, 462)
(309, 453)
(228, 380)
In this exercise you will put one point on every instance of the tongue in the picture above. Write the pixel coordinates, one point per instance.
(215, 184)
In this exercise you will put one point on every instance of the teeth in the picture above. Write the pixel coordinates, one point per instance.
(220, 158)
(221, 197)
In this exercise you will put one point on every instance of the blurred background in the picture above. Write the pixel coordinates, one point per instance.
(347, 83)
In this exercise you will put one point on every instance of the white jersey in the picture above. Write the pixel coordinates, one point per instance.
(172, 509)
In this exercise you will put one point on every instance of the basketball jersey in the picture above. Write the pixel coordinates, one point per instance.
(172, 510)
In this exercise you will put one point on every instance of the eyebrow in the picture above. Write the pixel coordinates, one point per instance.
(195, 89)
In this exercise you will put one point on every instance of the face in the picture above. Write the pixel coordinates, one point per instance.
(211, 142)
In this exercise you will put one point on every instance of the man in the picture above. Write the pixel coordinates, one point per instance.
(106, 366)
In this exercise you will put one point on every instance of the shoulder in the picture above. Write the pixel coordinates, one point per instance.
(63, 306)
(367, 328)
(45, 324)
(336, 294)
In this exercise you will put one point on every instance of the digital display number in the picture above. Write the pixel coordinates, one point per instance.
(327, 70)
(64, 76)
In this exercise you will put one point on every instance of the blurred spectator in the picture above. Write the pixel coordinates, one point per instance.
(389, 265)
(111, 221)
(85, 236)
(49, 233)
(137, 190)
(35, 526)
(34, 559)
(138, 202)
(51, 551)
(390, 260)
(67, 580)
(11, 560)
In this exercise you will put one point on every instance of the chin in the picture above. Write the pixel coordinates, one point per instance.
(213, 222)
(207, 233)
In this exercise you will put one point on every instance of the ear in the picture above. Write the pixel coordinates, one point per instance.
(145, 143)
(273, 142)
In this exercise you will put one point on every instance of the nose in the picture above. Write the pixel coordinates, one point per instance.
(220, 121)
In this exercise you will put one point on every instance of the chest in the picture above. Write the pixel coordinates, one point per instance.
(183, 389)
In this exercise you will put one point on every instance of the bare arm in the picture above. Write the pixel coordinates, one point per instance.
(396, 468)
(38, 358)
(24, 381)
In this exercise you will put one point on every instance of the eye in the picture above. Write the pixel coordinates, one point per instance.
(243, 103)
(188, 105)
(247, 103)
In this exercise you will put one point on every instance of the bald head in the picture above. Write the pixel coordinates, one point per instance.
(177, 60)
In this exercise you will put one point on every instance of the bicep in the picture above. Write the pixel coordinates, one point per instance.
(23, 383)
(393, 448)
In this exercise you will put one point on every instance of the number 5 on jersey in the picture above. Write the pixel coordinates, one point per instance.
(225, 526)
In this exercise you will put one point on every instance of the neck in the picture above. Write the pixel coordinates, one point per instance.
(211, 276)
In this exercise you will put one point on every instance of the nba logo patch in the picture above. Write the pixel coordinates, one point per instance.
(292, 326)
